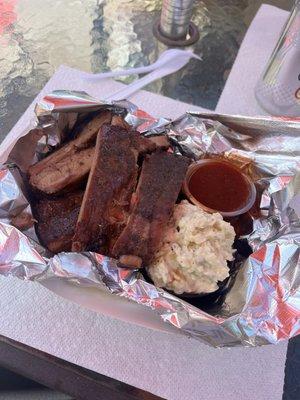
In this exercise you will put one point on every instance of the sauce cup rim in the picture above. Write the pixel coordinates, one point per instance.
(191, 170)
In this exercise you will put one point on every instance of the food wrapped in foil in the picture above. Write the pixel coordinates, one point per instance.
(263, 305)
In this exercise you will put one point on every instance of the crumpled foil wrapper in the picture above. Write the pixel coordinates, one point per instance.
(263, 305)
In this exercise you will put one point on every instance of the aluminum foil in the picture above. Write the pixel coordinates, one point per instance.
(263, 305)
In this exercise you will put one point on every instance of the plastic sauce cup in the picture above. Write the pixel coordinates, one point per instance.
(219, 186)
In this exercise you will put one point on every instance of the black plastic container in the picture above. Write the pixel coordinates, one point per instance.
(212, 301)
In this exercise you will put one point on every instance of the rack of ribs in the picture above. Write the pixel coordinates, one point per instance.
(110, 185)
(70, 164)
(157, 191)
(56, 220)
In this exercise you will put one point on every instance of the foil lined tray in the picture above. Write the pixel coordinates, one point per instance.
(263, 305)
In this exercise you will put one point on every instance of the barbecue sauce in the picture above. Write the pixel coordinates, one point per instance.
(219, 186)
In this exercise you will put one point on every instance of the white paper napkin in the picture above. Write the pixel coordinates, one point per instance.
(166, 364)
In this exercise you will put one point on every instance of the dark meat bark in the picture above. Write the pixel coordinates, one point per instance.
(159, 185)
(111, 182)
(117, 120)
(161, 141)
(56, 220)
(71, 163)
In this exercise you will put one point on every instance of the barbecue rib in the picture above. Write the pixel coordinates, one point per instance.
(111, 182)
(161, 141)
(158, 188)
(117, 120)
(71, 163)
(57, 220)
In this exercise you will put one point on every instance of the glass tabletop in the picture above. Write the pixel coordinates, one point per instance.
(100, 35)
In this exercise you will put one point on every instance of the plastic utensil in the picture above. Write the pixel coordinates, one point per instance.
(168, 62)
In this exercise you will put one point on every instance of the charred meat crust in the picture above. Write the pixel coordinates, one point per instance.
(158, 188)
(117, 120)
(161, 141)
(57, 220)
(111, 182)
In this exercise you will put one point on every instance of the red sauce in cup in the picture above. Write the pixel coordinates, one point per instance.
(217, 185)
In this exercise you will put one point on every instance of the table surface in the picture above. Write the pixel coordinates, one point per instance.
(113, 34)
(94, 35)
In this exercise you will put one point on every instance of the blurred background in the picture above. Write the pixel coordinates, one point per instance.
(36, 36)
